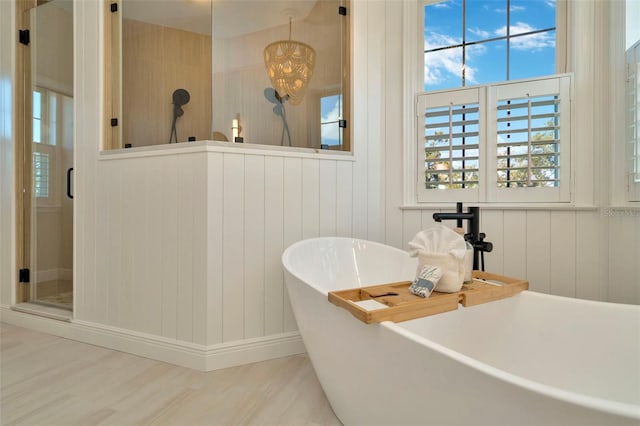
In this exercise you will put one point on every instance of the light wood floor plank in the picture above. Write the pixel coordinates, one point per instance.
(47, 380)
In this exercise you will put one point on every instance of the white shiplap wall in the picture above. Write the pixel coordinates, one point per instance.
(188, 245)
(559, 252)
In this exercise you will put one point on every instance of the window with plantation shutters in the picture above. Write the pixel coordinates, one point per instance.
(41, 173)
(528, 141)
(529, 138)
(509, 142)
(450, 126)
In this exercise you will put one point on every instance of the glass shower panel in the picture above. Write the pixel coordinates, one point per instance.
(281, 72)
(49, 159)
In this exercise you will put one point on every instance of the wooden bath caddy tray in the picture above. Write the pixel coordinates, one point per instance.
(402, 305)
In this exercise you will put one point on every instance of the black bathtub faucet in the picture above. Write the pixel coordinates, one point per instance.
(473, 235)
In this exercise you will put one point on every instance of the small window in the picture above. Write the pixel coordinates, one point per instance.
(45, 116)
(41, 175)
(37, 116)
(330, 116)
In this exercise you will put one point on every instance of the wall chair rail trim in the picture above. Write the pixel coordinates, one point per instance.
(224, 147)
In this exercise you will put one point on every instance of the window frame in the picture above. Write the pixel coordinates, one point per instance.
(320, 96)
(413, 80)
(45, 147)
(487, 97)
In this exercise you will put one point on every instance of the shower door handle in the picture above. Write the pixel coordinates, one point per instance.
(69, 194)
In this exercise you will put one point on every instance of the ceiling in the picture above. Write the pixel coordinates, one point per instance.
(232, 17)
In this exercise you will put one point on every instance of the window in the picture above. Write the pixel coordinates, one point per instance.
(41, 173)
(46, 113)
(469, 42)
(330, 116)
(450, 144)
(508, 142)
(494, 121)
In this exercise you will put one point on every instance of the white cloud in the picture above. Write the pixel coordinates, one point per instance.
(441, 5)
(482, 34)
(443, 63)
(529, 42)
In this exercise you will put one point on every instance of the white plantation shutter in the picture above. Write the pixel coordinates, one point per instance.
(509, 142)
(633, 121)
(450, 126)
(529, 150)
(41, 174)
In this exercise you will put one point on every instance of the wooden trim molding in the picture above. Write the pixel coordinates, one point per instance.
(22, 107)
(185, 354)
(112, 75)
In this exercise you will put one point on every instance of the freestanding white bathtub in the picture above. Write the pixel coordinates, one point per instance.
(532, 359)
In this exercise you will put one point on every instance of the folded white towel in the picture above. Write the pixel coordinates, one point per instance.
(442, 247)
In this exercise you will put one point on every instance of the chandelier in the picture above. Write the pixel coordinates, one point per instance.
(290, 65)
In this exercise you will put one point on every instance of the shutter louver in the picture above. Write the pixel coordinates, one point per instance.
(451, 146)
(528, 142)
(41, 174)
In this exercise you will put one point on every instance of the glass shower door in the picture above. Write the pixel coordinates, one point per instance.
(49, 159)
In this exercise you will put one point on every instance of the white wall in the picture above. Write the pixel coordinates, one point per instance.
(189, 244)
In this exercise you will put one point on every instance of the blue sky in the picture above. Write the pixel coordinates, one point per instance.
(531, 55)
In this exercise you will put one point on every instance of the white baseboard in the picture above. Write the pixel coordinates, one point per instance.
(185, 354)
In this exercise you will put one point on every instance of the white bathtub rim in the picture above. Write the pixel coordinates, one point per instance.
(287, 253)
(612, 407)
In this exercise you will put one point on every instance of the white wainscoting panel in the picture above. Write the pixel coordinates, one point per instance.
(562, 266)
(215, 246)
(310, 198)
(624, 255)
(562, 252)
(254, 246)
(515, 249)
(537, 248)
(274, 245)
(190, 244)
(169, 267)
(233, 248)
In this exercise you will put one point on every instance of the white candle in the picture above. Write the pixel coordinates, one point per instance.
(234, 128)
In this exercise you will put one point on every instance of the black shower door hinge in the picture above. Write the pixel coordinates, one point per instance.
(114, 122)
(114, 7)
(24, 37)
(342, 10)
(23, 275)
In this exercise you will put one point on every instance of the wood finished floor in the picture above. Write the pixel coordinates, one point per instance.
(47, 380)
